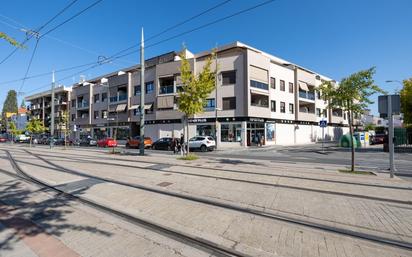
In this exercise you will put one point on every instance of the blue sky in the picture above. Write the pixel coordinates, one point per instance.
(334, 38)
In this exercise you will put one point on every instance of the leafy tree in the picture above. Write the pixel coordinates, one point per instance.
(23, 104)
(13, 130)
(353, 96)
(195, 88)
(34, 126)
(64, 124)
(10, 104)
(406, 101)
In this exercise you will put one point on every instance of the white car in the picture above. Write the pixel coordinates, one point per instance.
(203, 143)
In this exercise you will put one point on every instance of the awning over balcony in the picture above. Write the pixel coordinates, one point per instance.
(121, 107)
(165, 101)
(134, 107)
(112, 108)
(258, 92)
(148, 106)
(303, 86)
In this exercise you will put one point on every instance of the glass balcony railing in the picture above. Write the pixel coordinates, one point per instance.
(122, 97)
(307, 95)
(118, 98)
(82, 104)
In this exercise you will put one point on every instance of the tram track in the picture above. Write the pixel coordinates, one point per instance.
(276, 217)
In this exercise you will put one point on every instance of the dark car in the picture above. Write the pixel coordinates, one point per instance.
(378, 139)
(164, 143)
(87, 142)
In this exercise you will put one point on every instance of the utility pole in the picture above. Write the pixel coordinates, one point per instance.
(52, 113)
(390, 137)
(142, 93)
(216, 83)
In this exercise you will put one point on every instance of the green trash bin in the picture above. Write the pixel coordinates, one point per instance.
(345, 141)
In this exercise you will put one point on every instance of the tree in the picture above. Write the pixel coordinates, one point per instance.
(34, 126)
(195, 88)
(23, 104)
(352, 95)
(10, 104)
(406, 101)
(63, 123)
(13, 130)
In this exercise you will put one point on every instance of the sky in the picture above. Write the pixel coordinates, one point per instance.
(332, 37)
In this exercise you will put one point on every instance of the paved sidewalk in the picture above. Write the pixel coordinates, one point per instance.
(254, 235)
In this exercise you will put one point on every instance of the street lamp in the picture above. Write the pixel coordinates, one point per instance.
(395, 81)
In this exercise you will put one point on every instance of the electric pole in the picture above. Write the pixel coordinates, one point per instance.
(142, 92)
(52, 113)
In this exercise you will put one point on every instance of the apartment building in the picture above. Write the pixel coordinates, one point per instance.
(256, 94)
(39, 107)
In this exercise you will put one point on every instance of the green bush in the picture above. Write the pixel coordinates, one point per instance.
(189, 157)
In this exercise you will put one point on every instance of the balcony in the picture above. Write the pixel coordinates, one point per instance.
(84, 104)
(307, 116)
(118, 98)
(307, 95)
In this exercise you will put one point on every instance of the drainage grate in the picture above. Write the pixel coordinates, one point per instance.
(164, 184)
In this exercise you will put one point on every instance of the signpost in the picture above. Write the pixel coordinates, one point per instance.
(389, 105)
(323, 124)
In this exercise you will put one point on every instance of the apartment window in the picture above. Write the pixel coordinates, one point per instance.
(229, 103)
(166, 85)
(325, 113)
(257, 84)
(272, 82)
(290, 87)
(228, 77)
(149, 87)
(344, 115)
(137, 90)
(282, 107)
(104, 97)
(73, 117)
(282, 85)
(291, 108)
(73, 103)
(273, 106)
(318, 113)
(96, 98)
(209, 105)
(104, 114)
(96, 114)
(318, 96)
(259, 100)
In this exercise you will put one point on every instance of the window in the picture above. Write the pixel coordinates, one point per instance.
(318, 96)
(282, 85)
(228, 77)
(137, 90)
(282, 107)
(344, 115)
(291, 108)
(96, 114)
(104, 97)
(74, 103)
(229, 103)
(257, 84)
(149, 87)
(318, 113)
(290, 87)
(205, 130)
(96, 98)
(209, 105)
(325, 113)
(259, 100)
(73, 117)
(231, 132)
(272, 82)
(104, 114)
(273, 106)
(136, 111)
(166, 85)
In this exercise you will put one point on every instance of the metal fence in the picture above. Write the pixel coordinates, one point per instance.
(403, 139)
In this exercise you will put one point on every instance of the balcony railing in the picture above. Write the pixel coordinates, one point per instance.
(82, 104)
(307, 95)
(118, 98)
(166, 89)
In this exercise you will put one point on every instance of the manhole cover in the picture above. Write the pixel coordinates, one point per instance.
(164, 184)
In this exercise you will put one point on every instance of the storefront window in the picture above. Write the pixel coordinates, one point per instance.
(122, 133)
(231, 132)
(205, 130)
(270, 131)
(100, 133)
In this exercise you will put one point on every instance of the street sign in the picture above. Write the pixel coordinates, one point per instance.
(323, 123)
(383, 105)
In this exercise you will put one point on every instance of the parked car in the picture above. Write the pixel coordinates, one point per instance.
(135, 142)
(22, 139)
(202, 143)
(164, 143)
(107, 142)
(378, 139)
(3, 139)
(86, 142)
(61, 141)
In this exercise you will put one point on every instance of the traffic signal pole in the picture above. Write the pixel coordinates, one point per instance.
(142, 93)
